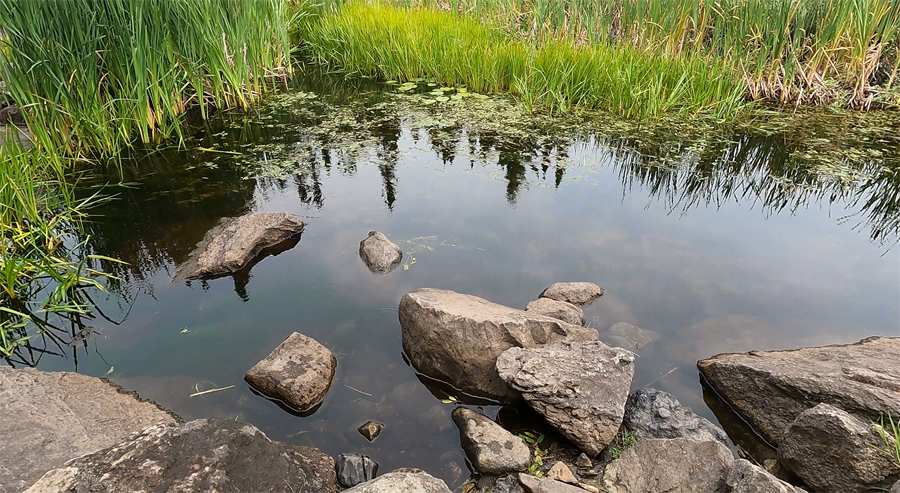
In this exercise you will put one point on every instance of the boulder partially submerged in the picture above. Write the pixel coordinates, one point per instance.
(577, 293)
(236, 242)
(51, 417)
(492, 449)
(651, 413)
(457, 338)
(197, 457)
(380, 254)
(299, 372)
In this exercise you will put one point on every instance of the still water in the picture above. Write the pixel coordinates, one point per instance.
(727, 247)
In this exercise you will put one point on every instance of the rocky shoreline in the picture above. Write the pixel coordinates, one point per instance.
(821, 408)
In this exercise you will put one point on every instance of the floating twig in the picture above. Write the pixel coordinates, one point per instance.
(195, 394)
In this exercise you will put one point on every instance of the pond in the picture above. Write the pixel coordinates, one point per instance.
(752, 241)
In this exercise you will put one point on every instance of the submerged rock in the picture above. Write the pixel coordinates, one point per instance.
(491, 448)
(673, 465)
(561, 310)
(198, 457)
(746, 477)
(577, 293)
(380, 254)
(235, 242)
(402, 481)
(457, 338)
(370, 430)
(651, 413)
(299, 372)
(627, 336)
(769, 389)
(353, 469)
(578, 387)
(832, 451)
(51, 417)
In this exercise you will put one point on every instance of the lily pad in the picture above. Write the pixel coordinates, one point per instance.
(428, 101)
(442, 99)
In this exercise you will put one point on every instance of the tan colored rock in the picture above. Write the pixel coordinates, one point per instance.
(380, 254)
(561, 310)
(561, 472)
(491, 448)
(681, 465)
(299, 372)
(576, 293)
(546, 485)
(746, 477)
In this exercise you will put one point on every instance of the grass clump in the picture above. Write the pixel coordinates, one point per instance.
(889, 430)
(381, 40)
(623, 442)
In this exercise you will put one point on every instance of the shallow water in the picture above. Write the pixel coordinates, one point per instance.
(717, 250)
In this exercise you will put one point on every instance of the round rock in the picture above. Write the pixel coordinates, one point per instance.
(577, 293)
(380, 254)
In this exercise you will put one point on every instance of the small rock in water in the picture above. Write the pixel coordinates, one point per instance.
(584, 462)
(577, 293)
(298, 371)
(627, 336)
(651, 413)
(353, 469)
(491, 448)
(380, 254)
(370, 430)
(561, 472)
(561, 310)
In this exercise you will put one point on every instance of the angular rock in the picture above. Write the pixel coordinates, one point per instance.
(235, 242)
(672, 465)
(583, 461)
(651, 413)
(298, 372)
(490, 448)
(561, 472)
(402, 481)
(200, 456)
(353, 469)
(546, 485)
(370, 430)
(51, 417)
(628, 336)
(498, 484)
(577, 293)
(896, 487)
(560, 310)
(579, 387)
(745, 477)
(457, 338)
(769, 389)
(380, 254)
(832, 451)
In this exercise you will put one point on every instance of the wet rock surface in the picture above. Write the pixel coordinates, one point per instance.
(402, 481)
(199, 456)
(236, 242)
(651, 413)
(832, 451)
(457, 338)
(299, 372)
(370, 430)
(673, 465)
(380, 254)
(769, 389)
(51, 417)
(627, 336)
(578, 387)
(353, 469)
(745, 477)
(560, 310)
(491, 448)
(576, 293)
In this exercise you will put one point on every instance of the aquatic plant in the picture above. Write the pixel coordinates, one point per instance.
(93, 75)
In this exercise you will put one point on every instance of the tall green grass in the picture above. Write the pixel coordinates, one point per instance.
(377, 39)
(91, 76)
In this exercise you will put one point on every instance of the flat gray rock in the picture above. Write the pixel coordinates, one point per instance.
(578, 387)
(402, 481)
(200, 456)
(51, 417)
(457, 338)
(673, 465)
(577, 293)
(651, 413)
(491, 448)
(546, 485)
(299, 372)
(561, 310)
(627, 336)
(235, 242)
(380, 254)
(769, 389)
(745, 477)
(832, 452)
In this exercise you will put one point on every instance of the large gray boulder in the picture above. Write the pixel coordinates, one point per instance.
(577, 293)
(51, 417)
(561, 310)
(681, 465)
(402, 481)
(198, 457)
(745, 477)
(457, 338)
(299, 372)
(651, 413)
(491, 448)
(235, 242)
(832, 451)
(380, 254)
(769, 389)
(578, 387)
